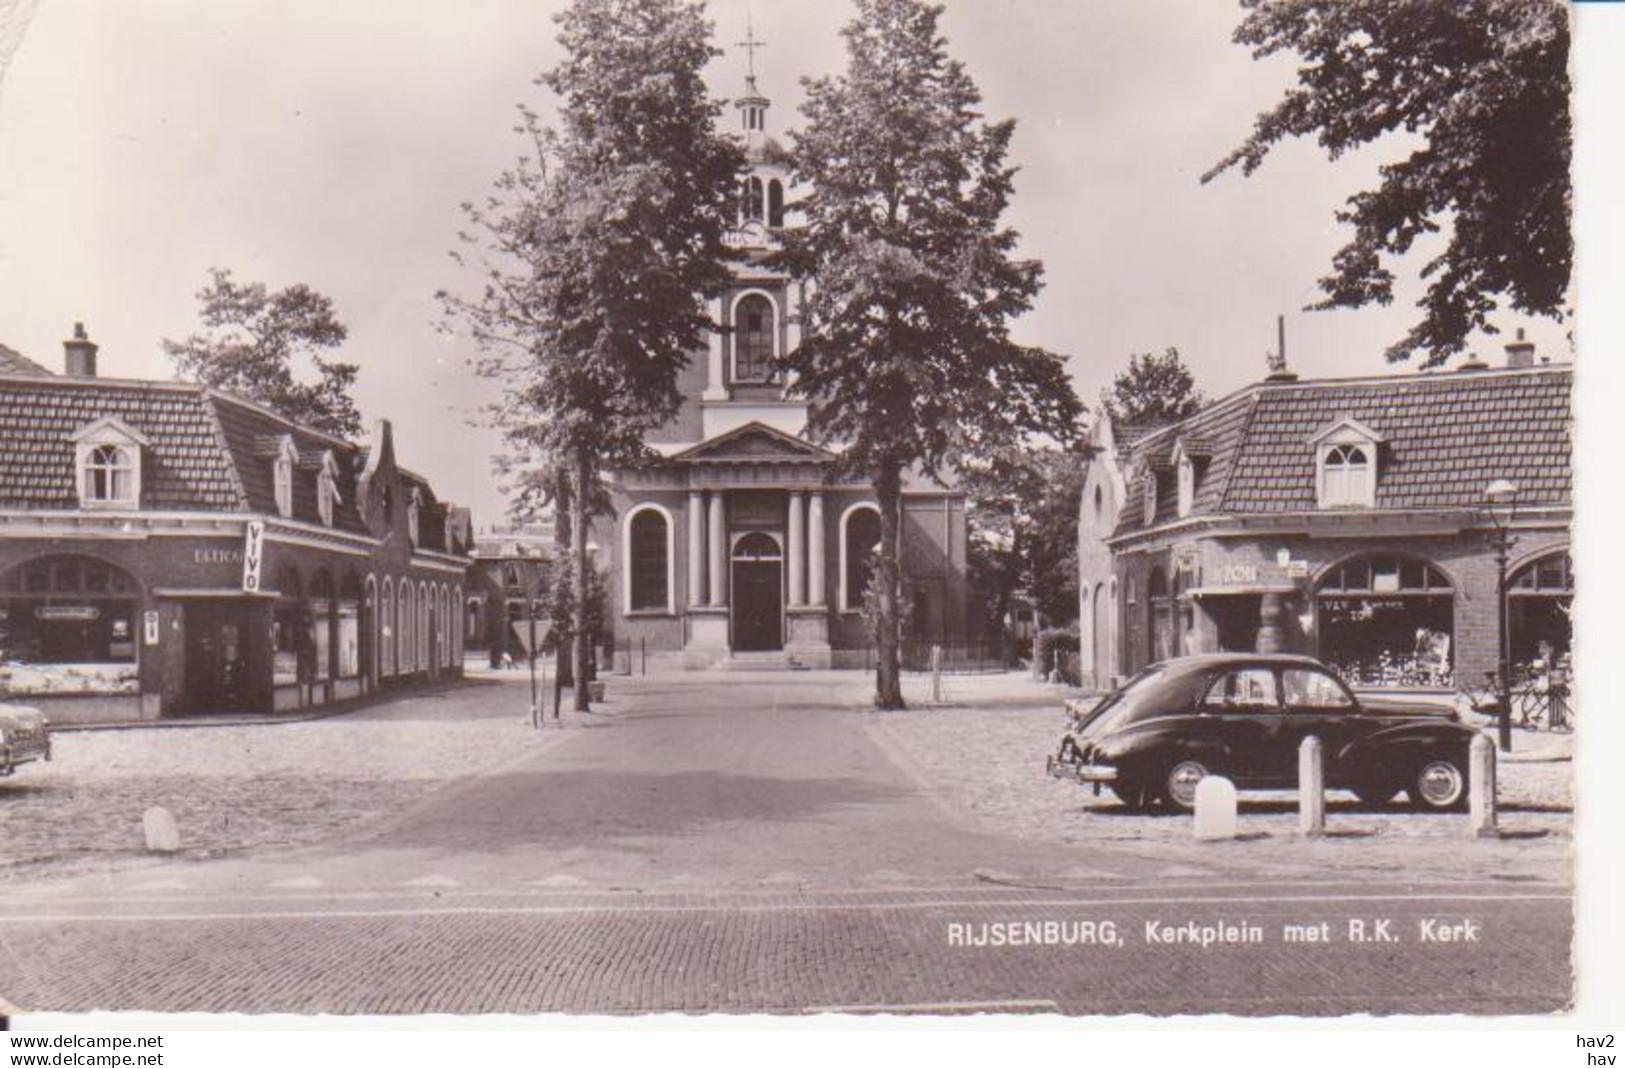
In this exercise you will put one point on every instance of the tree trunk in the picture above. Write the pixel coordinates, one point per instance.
(563, 520)
(888, 666)
(578, 548)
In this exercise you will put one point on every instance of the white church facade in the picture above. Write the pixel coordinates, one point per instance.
(740, 545)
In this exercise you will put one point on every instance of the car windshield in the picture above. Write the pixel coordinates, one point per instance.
(1159, 688)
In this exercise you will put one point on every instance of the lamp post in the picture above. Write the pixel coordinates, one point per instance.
(1499, 497)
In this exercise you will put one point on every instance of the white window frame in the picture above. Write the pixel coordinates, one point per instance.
(1148, 490)
(327, 489)
(844, 595)
(282, 467)
(126, 444)
(1186, 468)
(1340, 486)
(733, 347)
(414, 505)
(626, 557)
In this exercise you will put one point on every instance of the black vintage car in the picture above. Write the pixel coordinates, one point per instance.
(1244, 716)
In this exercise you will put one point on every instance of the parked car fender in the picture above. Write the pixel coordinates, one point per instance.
(1400, 749)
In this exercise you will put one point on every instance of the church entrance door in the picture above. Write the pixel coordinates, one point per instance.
(758, 597)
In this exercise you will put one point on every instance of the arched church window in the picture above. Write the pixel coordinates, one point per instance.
(648, 564)
(859, 541)
(775, 203)
(752, 200)
(753, 339)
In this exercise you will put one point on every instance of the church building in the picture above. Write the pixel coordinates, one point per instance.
(740, 547)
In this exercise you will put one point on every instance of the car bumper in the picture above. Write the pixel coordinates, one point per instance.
(1075, 772)
(13, 756)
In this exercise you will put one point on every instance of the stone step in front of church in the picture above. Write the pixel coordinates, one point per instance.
(763, 661)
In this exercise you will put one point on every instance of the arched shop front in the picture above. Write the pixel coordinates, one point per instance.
(1386, 619)
(68, 627)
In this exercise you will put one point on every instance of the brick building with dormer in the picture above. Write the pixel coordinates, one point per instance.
(167, 549)
(1344, 518)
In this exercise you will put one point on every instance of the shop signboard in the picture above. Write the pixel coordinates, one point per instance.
(149, 628)
(253, 548)
(67, 613)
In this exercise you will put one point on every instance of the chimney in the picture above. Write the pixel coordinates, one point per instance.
(1520, 353)
(1276, 361)
(79, 354)
(1473, 362)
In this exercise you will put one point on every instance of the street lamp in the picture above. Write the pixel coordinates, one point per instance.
(1499, 498)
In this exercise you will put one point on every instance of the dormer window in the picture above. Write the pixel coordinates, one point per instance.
(1346, 465)
(327, 489)
(110, 475)
(107, 454)
(1149, 491)
(413, 511)
(282, 476)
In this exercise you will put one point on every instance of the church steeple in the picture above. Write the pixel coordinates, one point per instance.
(753, 105)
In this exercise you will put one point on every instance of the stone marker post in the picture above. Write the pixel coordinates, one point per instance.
(163, 835)
(1215, 809)
(1481, 787)
(1311, 788)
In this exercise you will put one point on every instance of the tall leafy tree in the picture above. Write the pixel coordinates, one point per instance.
(1483, 84)
(255, 343)
(1156, 388)
(1024, 501)
(597, 246)
(907, 353)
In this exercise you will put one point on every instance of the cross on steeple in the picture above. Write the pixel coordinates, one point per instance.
(750, 44)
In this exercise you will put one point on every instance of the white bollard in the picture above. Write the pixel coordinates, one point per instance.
(1481, 787)
(1215, 809)
(1311, 789)
(163, 836)
(936, 674)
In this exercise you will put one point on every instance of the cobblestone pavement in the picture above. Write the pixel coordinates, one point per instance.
(727, 842)
(1011, 723)
(247, 786)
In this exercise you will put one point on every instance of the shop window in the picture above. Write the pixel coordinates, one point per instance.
(648, 561)
(387, 628)
(68, 626)
(1386, 620)
(108, 458)
(754, 327)
(860, 538)
(1540, 623)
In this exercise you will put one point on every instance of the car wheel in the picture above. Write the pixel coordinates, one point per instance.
(1440, 785)
(1372, 794)
(1179, 788)
(1135, 796)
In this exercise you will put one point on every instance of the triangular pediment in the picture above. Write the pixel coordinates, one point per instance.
(754, 443)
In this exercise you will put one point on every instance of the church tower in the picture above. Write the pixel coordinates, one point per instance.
(742, 547)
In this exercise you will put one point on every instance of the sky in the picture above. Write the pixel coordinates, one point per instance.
(332, 144)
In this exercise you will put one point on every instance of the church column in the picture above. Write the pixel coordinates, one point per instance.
(714, 388)
(696, 548)
(816, 579)
(719, 551)
(796, 558)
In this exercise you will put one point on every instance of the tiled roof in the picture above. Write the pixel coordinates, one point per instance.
(1445, 437)
(183, 469)
(13, 362)
(252, 434)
